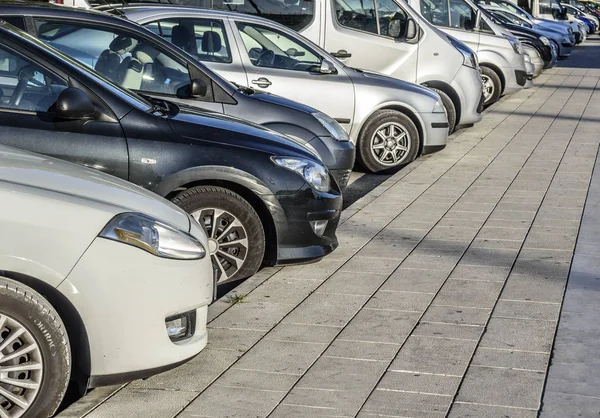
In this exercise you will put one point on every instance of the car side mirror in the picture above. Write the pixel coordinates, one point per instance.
(412, 30)
(327, 67)
(73, 103)
(198, 88)
(395, 28)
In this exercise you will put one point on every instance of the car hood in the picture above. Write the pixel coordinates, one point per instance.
(359, 76)
(50, 174)
(192, 123)
(280, 101)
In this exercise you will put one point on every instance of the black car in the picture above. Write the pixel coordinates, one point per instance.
(99, 40)
(262, 197)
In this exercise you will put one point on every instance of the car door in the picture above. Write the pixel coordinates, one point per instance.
(127, 58)
(284, 64)
(357, 32)
(28, 92)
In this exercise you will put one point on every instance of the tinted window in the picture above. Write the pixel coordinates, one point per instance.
(25, 85)
(436, 12)
(389, 13)
(546, 7)
(274, 49)
(462, 16)
(453, 13)
(295, 14)
(129, 61)
(375, 16)
(15, 21)
(204, 38)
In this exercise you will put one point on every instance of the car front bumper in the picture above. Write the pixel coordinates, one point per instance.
(469, 87)
(124, 295)
(435, 130)
(514, 79)
(338, 156)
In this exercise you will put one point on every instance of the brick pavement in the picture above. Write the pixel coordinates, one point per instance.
(442, 300)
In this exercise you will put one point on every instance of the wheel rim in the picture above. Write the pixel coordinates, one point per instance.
(21, 368)
(488, 87)
(390, 144)
(227, 241)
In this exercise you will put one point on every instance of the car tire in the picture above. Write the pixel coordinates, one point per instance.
(237, 222)
(492, 86)
(450, 109)
(24, 311)
(392, 124)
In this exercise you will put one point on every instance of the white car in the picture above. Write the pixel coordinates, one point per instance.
(101, 282)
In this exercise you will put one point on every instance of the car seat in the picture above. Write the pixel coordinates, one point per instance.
(140, 67)
(211, 43)
(109, 62)
(182, 37)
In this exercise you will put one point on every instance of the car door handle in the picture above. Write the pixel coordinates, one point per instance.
(262, 82)
(342, 53)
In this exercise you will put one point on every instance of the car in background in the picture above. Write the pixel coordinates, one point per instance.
(99, 50)
(391, 121)
(101, 282)
(262, 197)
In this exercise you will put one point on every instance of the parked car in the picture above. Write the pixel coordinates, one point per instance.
(93, 48)
(262, 197)
(91, 267)
(499, 53)
(399, 44)
(372, 107)
(590, 20)
(559, 36)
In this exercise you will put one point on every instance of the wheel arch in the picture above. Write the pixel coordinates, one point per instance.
(498, 72)
(447, 88)
(247, 186)
(74, 325)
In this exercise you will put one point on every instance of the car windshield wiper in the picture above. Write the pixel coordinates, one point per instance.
(160, 106)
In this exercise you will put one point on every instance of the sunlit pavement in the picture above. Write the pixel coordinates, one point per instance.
(444, 296)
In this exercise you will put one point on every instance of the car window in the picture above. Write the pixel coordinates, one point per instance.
(17, 21)
(436, 12)
(124, 58)
(545, 7)
(374, 16)
(274, 49)
(295, 14)
(462, 16)
(389, 13)
(203, 38)
(24, 85)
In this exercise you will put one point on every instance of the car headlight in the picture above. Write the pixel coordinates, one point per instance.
(516, 45)
(527, 58)
(567, 39)
(438, 107)
(469, 57)
(314, 173)
(153, 236)
(545, 40)
(332, 126)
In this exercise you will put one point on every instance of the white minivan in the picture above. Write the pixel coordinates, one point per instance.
(385, 36)
(499, 52)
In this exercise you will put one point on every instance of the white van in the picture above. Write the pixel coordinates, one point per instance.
(499, 52)
(386, 36)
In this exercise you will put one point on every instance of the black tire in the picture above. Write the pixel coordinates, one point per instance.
(450, 109)
(197, 199)
(21, 305)
(377, 121)
(491, 97)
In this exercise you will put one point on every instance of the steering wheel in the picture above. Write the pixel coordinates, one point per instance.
(266, 59)
(25, 75)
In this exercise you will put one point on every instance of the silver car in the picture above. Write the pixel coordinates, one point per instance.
(390, 121)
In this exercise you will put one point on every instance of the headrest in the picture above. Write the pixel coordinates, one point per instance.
(146, 53)
(211, 42)
(181, 36)
(122, 44)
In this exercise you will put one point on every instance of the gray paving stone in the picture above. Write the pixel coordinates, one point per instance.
(283, 290)
(450, 233)
(427, 259)
(511, 215)
(362, 350)
(537, 267)
(372, 265)
(534, 288)
(565, 241)
(515, 234)
(485, 273)
(560, 405)
(527, 310)
(281, 357)
(327, 309)
(400, 301)
(552, 212)
(143, 402)
(466, 214)
(434, 355)
(519, 334)
(405, 404)
(252, 315)
(468, 293)
(546, 254)
(227, 401)
(419, 382)
(492, 244)
(351, 283)
(415, 280)
(302, 411)
(455, 315)
(511, 359)
(258, 380)
(468, 410)
(380, 326)
(321, 402)
(286, 331)
(436, 330)
(582, 378)
(387, 249)
(502, 387)
(399, 233)
(490, 257)
(233, 339)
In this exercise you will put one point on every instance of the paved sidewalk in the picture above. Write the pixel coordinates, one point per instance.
(442, 300)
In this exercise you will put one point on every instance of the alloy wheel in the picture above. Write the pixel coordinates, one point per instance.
(227, 241)
(21, 368)
(390, 144)
(488, 87)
